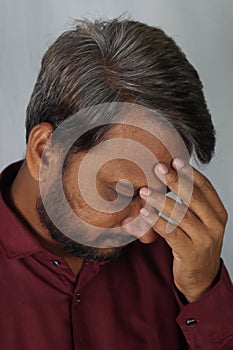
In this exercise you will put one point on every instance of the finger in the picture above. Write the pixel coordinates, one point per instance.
(186, 183)
(204, 186)
(174, 236)
(140, 228)
(179, 213)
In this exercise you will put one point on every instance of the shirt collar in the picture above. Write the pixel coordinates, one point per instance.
(15, 237)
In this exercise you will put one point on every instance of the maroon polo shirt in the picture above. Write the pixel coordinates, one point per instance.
(128, 304)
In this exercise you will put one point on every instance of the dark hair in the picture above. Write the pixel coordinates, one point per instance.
(121, 60)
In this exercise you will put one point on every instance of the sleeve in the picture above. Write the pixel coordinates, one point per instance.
(208, 323)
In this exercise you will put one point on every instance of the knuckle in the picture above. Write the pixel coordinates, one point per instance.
(196, 195)
(207, 243)
(206, 185)
(204, 243)
(219, 228)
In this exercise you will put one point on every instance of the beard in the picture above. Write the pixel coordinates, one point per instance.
(71, 247)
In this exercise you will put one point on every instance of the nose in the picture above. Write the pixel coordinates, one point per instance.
(135, 224)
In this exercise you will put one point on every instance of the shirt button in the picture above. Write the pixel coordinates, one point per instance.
(55, 262)
(191, 322)
(78, 298)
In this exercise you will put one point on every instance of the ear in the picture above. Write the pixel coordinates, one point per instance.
(38, 138)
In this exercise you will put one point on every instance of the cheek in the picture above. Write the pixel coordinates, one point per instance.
(85, 207)
(90, 215)
(103, 219)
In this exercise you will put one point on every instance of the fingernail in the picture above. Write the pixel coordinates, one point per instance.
(145, 191)
(178, 162)
(162, 169)
(144, 212)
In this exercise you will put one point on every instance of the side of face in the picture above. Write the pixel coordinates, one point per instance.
(107, 196)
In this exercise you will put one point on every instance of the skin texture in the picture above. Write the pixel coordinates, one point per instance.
(195, 241)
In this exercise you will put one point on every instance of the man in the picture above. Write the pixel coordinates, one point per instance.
(115, 114)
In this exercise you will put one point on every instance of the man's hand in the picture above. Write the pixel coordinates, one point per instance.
(199, 223)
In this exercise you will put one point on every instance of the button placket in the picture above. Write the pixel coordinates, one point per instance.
(78, 298)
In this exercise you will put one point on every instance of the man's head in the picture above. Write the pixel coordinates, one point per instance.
(115, 61)
(121, 61)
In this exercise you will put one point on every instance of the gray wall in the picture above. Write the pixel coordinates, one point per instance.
(203, 28)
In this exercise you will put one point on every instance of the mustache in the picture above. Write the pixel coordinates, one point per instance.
(119, 238)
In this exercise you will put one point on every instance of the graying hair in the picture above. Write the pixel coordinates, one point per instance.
(121, 60)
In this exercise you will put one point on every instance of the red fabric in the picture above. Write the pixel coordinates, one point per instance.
(126, 304)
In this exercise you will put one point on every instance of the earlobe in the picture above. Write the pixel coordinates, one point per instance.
(38, 138)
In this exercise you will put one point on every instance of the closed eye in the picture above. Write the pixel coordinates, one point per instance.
(123, 195)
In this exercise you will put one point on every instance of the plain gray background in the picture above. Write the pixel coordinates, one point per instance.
(203, 28)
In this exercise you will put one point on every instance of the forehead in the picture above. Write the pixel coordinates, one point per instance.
(131, 150)
(157, 136)
(160, 140)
